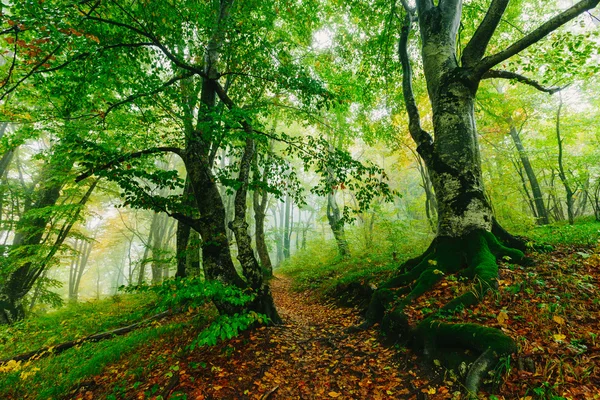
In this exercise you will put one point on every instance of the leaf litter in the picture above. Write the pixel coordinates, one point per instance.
(551, 309)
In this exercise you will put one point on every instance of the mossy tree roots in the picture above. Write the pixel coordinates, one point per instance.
(475, 256)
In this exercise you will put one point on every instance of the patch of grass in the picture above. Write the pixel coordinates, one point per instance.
(585, 232)
(73, 322)
(55, 377)
(320, 268)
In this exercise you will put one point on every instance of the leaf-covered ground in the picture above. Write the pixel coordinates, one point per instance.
(310, 357)
(552, 310)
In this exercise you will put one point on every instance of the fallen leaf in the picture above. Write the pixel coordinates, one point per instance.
(558, 320)
(334, 394)
(502, 317)
(559, 337)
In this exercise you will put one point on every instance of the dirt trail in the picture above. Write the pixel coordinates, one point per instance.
(310, 357)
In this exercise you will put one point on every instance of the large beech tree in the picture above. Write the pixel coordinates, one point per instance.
(467, 232)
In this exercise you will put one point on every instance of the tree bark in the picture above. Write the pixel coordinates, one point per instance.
(260, 200)
(288, 226)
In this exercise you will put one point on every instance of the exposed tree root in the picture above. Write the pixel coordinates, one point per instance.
(473, 255)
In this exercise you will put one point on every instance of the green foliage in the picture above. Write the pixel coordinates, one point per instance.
(195, 292)
(226, 327)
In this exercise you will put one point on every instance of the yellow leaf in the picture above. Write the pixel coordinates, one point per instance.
(502, 317)
(558, 320)
(559, 337)
(217, 388)
(431, 391)
(334, 394)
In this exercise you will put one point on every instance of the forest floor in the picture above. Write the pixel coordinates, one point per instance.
(309, 357)
(552, 310)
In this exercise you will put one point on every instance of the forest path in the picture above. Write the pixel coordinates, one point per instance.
(309, 357)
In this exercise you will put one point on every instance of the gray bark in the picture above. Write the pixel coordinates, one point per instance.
(260, 200)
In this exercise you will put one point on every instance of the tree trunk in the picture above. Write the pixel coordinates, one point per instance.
(288, 226)
(28, 239)
(570, 193)
(263, 303)
(260, 200)
(147, 249)
(538, 198)
(83, 249)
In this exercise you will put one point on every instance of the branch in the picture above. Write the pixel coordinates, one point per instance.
(133, 97)
(126, 157)
(496, 73)
(14, 60)
(31, 72)
(535, 36)
(155, 41)
(421, 137)
(475, 49)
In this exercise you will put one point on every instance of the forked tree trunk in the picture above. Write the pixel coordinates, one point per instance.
(263, 302)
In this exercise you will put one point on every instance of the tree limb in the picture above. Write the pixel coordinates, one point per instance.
(129, 156)
(86, 54)
(420, 136)
(154, 40)
(535, 36)
(133, 97)
(475, 49)
(496, 73)
(31, 72)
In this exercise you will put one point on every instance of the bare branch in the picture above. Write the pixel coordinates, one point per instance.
(535, 36)
(14, 61)
(475, 49)
(407, 7)
(495, 73)
(126, 157)
(421, 137)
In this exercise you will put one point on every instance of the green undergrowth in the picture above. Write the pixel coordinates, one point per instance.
(585, 232)
(128, 358)
(319, 268)
(57, 376)
(73, 322)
